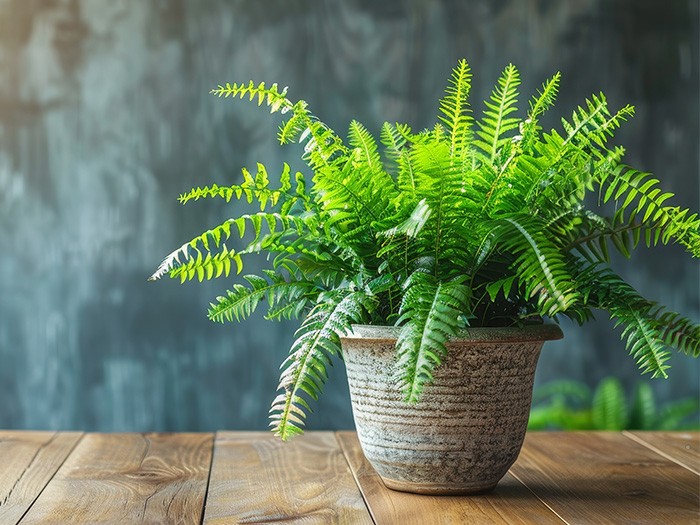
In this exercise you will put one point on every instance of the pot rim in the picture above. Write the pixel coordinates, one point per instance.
(486, 335)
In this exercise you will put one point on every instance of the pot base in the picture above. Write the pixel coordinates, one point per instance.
(438, 489)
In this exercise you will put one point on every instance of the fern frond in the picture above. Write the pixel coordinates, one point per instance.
(356, 193)
(643, 341)
(563, 168)
(430, 315)
(171, 261)
(399, 246)
(648, 329)
(292, 310)
(394, 146)
(640, 194)
(501, 286)
(545, 98)
(344, 200)
(296, 126)
(322, 145)
(495, 122)
(188, 262)
(370, 171)
(323, 148)
(305, 370)
(454, 109)
(208, 265)
(643, 414)
(253, 188)
(195, 258)
(609, 408)
(539, 264)
(590, 234)
(365, 147)
(413, 224)
(397, 149)
(678, 332)
(594, 123)
(440, 183)
(240, 302)
(276, 100)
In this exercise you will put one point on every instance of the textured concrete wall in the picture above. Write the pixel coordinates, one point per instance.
(105, 119)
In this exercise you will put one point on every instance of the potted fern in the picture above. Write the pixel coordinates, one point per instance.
(432, 260)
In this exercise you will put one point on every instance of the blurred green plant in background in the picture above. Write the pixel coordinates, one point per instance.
(571, 405)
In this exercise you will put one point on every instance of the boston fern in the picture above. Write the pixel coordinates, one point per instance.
(473, 222)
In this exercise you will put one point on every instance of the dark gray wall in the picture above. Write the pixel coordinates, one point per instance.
(105, 119)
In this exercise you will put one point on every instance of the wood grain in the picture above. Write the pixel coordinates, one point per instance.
(606, 478)
(28, 461)
(256, 478)
(321, 478)
(511, 502)
(128, 478)
(681, 447)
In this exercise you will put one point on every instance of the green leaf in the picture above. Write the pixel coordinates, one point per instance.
(495, 122)
(240, 302)
(430, 316)
(455, 111)
(540, 265)
(304, 371)
(681, 414)
(609, 406)
(643, 414)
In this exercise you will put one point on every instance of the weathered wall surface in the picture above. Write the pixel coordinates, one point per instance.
(105, 119)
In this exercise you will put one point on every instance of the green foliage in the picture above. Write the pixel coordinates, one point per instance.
(609, 409)
(305, 369)
(475, 221)
(496, 122)
(430, 313)
(570, 405)
(286, 299)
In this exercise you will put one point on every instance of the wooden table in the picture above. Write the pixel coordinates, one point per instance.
(322, 477)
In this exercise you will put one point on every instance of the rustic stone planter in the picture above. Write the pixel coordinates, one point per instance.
(468, 427)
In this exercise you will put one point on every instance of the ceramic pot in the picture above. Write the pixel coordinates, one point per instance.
(469, 425)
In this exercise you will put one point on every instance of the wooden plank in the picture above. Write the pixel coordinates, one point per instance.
(681, 447)
(511, 502)
(128, 478)
(257, 478)
(29, 460)
(606, 478)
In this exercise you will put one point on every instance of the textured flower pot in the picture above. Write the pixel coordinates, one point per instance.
(468, 427)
